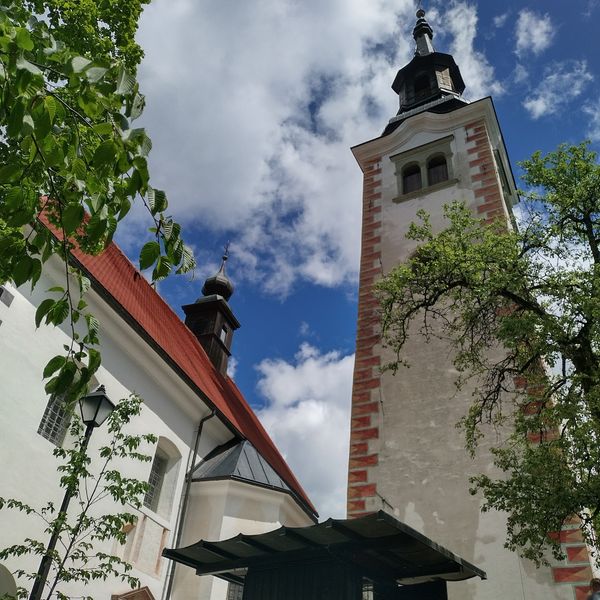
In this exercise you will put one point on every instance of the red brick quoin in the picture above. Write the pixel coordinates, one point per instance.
(366, 380)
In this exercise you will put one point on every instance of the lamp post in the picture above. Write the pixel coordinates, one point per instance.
(95, 409)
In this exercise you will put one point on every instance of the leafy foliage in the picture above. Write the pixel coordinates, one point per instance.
(77, 557)
(72, 163)
(72, 160)
(534, 292)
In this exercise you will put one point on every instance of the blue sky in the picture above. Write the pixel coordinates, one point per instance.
(253, 107)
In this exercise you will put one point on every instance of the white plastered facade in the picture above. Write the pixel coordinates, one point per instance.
(423, 469)
(172, 411)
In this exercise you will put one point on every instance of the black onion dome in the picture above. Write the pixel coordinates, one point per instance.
(219, 283)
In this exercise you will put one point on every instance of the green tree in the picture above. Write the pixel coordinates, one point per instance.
(71, 160)
(72, 163)
(533, 291)
(78, 558)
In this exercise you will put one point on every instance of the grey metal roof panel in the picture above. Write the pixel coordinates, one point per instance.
(239, 460)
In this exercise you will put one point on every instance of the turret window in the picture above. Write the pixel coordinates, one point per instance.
(411, 179)
(437, 170)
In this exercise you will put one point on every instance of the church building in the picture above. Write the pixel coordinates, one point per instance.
(214, 473)
(406, 455)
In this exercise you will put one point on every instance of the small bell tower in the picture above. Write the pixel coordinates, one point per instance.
(211, 320)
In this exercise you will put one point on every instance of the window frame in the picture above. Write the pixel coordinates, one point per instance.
(421, 156)
(159, 499)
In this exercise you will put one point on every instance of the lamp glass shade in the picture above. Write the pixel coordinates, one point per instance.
(95, 407)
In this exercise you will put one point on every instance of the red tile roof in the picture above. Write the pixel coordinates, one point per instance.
(113, 271)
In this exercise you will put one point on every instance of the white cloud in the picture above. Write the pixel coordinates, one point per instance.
(500, 20)
(461, 21)
(593, 128)
(253, 108)
(232, 366)
(521, 74)
(563, 82)
(534, 32)
(307, 413)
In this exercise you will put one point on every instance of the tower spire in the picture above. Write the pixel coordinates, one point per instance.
(423, 34)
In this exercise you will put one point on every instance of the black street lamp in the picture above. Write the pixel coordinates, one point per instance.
(95, 409)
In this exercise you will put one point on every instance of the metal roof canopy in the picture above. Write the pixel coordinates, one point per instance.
(378, 546)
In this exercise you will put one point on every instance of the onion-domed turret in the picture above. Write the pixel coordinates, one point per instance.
(211, 320)
(431, 81)
(219, 283)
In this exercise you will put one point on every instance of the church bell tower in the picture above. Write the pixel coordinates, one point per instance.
(406, 455)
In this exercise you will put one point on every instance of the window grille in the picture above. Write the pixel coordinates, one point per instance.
(5, 296)
(155, 481)
(235, 591)
(55, 421)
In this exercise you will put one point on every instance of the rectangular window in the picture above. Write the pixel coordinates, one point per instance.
(155, 481)
(235, 591)
(55, 421)
(5, 296)
(223, 334)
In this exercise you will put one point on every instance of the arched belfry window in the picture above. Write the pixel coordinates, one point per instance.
(411, 179)
(163, 478)
(437, 169)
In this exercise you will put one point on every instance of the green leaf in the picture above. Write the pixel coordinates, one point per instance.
(157, 200)
(93, 360)
(137, 106)
(93, 326)
(28, 125)
(95, 74)
(54, 364)
(79, 169)
(36, 272)
(42, 310)
(149, 254)
(162, 269)
(72, 216)
(22, 270)
(42, 122)
(59, 312)
(103, 128)
(14, 198)
(79, 64)
(23, 39)
(50, 104)
(10, 172)
(15, 120)
(188, 261)
(125, 81)
(25, 65)
(105, 154)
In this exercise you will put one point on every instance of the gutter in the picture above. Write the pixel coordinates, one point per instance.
(183, 504)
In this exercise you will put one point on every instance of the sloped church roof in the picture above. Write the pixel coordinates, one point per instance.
(126, 290)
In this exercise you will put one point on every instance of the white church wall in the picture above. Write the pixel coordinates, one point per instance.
(171, 411)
